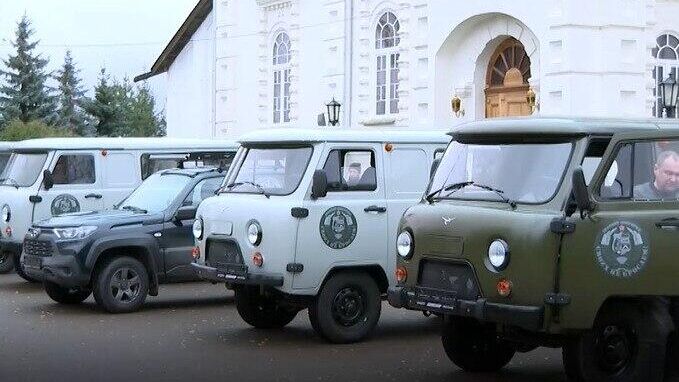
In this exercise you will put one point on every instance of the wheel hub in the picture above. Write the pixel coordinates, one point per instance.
(348, 306)
(615, 349)
(125, 285)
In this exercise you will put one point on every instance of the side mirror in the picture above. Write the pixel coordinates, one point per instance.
(434, 166)
(319, 185)
(581, 192)
(47, 179)
(186, 213)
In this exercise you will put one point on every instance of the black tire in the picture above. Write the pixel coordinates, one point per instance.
(474, 346)
(262, 311)
(347, 309)
(121, 286)
(68, 296)
(20, 271)
(628, 343)
(6, 262)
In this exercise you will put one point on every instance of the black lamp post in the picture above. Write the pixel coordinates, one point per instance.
(334, 112)
(669, 90)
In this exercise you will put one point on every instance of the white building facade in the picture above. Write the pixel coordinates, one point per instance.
(250, 64)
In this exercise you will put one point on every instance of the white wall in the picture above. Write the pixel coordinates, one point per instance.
(190, 87)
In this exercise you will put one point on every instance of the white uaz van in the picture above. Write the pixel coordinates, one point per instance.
(54, 176)
(308, 219)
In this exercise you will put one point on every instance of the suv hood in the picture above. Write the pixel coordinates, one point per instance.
(95, 218)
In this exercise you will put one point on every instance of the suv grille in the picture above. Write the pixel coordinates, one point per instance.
(38, 248)
(455, 278)
(220, 253)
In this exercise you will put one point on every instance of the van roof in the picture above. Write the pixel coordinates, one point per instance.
(6, 146)
(557, 126)
(156, 143)
(326, 134)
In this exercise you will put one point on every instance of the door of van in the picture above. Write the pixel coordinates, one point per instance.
(120, 175)
(349, 225)
(77, 185)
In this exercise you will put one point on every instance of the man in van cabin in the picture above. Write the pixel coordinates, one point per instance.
(353, 174)
(665, 184)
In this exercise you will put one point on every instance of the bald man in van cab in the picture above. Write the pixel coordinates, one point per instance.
(665, 184)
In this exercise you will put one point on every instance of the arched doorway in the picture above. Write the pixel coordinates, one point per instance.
(507, 81)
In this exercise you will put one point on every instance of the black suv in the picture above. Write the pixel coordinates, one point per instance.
(121, 255)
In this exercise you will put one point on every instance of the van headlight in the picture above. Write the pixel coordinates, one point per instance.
(254, 233)
(198, 228)
(498, 255)
(6, 213)
(404, 244)
(73, 233)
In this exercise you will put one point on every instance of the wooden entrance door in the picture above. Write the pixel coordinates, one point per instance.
(507, 81)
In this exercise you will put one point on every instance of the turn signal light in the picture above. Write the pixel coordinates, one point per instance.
(401, 274)
(257, 259)
(8, 231)
(504, 287)
(195, 252)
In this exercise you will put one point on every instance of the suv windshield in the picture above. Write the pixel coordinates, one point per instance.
(155, 194)
(270, 171)
(522, 173)
(23, 169)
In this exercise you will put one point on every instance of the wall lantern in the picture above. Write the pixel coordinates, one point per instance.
(456, 105)
(531, 99)
(668, 94)
(334, 112)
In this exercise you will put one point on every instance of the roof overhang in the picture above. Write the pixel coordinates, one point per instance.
(179, 40)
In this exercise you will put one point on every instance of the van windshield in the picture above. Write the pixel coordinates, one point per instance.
(521, 173)
(270, 171)
(23, 169)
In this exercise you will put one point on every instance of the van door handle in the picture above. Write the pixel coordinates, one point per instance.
(93, 196)
(669, 223)
(375, 209)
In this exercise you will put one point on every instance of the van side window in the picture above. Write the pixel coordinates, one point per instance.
(74, 169)
(643, 171)
(152, 163)
(203, 190)
(351, 170)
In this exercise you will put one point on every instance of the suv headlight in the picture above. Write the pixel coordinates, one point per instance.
(404, 244)
(498, 255)
(254, 233)
(73, 233)
(6, 213)
(198, 228)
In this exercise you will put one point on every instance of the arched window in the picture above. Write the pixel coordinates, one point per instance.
(281, 79)
(666, 54)
(386, 46)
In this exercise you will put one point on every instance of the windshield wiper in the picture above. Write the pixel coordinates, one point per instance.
(454, 186)
(14, 182)
(499, 192)
(257, 186)
(134, 209)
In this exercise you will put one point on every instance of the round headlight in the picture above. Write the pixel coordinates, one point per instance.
(254, 233)
(404, 244)
(498, 254)
(198, 228)
(6, 213)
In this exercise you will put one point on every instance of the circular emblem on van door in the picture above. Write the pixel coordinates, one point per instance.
(622, 249)
(65, 204)
(338, 227)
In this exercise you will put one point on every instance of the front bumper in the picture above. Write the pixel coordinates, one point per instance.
(526, 317)
(237, 275)
(63, 270)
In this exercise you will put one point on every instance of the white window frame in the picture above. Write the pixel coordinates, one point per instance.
(280, 90)
(386, 63)
(665, 67)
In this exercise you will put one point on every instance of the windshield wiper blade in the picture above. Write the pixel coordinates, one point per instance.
(258, 186)
(454, 186)
(499, 192)
(14, 182)
(134, 209)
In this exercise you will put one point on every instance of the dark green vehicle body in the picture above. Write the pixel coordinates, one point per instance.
(557, 285)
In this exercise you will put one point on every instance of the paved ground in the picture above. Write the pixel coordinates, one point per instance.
(191, 332)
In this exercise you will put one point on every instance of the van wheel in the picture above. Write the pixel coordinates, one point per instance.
(474, 346)
(20, 270)
(6, 262)
(68, 296)
(122, 285)
(261, 311)
(627, 343)
(347, 309)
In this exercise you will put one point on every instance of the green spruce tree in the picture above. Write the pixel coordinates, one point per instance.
(143, 121)
(71, 99)
(24, 95)
(102, 108)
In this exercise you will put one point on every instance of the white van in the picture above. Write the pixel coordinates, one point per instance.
(5, 151)
(54, 176)
(308, 219)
